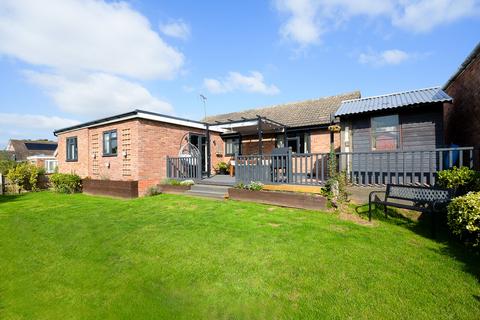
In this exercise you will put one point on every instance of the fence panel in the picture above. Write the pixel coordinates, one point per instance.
(182, 168)
(362, 168)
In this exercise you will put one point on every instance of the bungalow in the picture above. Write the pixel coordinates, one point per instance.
(39, 152)
(147, 147)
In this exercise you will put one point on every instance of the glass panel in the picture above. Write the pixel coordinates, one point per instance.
(106, 143)
(113, 143)
(385, 133)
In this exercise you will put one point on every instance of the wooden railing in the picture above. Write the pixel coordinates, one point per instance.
(182, 168)
(362, 168)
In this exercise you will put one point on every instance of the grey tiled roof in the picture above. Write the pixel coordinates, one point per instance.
(295, 114)
(393, 100)
(28, 148)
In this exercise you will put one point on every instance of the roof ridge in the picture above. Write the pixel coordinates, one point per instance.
(392, 94)
(286, 104)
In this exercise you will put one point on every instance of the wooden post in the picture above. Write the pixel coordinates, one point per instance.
(2, 184)
(260, 136)
(209, 155)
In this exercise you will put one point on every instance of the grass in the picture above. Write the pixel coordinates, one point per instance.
(84, 257)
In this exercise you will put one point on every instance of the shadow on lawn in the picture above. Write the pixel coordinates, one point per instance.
(421, 225)
(10, 197)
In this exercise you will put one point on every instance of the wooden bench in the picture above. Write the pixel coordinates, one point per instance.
(425, 199)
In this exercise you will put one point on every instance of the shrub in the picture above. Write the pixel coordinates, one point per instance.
(6, 165)
(222, 168)
(462, 180)
(171, 182)
(66, 183)
(253, 186)
(153, 191)
(187, 183)
(24, 175)
(464, 218)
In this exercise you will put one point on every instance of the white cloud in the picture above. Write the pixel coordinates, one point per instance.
(424, 15)
(308, 20)
(176, 29)
(303, 26)
(89, 35)
(387, 57)
(34, 122)
(235, 81)
(97, 94)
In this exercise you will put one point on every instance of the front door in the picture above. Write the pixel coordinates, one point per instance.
(200, 141)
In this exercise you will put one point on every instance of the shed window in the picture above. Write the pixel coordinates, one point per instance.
(72, 149)
(385, 133)
(232, 146)
(110, 143)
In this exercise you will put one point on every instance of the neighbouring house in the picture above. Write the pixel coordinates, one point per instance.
(396, 137)
(148, 147)
(462, 118)
(39, 152)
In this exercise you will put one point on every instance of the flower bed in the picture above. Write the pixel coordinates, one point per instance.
(284, 199)
(168, 188)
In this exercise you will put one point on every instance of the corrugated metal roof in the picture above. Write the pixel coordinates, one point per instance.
(393, 100)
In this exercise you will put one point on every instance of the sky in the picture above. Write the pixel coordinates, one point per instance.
(63, 62)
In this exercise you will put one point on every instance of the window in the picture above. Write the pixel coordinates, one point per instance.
(232, 146)
(299, 142)
(110, 143)
(72, 149)
(385, 133)
(50, 166)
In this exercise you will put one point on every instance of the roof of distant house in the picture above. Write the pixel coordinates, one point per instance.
(471, 58)
(295, 114)
(27, 148)
(393, 101)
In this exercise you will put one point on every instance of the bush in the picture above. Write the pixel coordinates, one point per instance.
(187, 183)
(153, 191)
(253, 186)
(6, 165)
(222, 168)
(25, 176)
(171, 182)
(464, 218)
(66, 183)
(462, 180)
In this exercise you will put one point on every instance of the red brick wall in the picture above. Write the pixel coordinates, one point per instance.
(320, 141)
(79, 167)
(462, 119)
(159, 140)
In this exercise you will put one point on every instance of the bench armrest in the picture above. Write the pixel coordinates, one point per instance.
(373, 193)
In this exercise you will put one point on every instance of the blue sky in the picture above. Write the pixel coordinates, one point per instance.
(68, 61)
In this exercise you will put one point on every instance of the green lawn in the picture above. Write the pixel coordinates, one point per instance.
(83, 257)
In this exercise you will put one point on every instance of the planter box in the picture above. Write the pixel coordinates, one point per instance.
(114, 188)
(284, 199)
(167, 188)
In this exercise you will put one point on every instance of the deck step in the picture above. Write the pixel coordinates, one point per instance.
(204, 194)
(209, 191)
